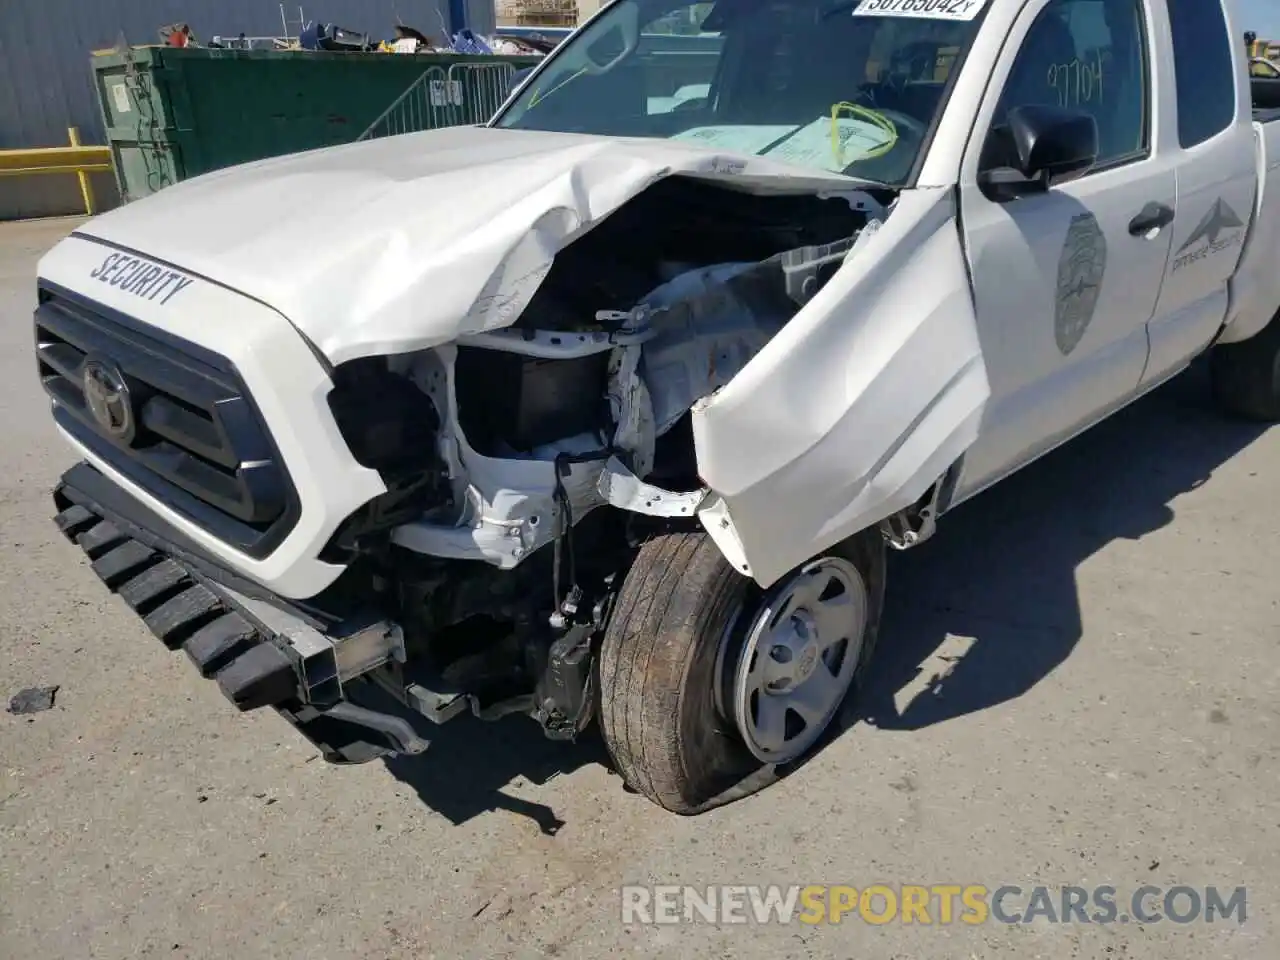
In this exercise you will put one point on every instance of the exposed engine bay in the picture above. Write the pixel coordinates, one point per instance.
(507, 442)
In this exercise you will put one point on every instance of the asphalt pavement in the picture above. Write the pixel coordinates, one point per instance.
(1078, 684)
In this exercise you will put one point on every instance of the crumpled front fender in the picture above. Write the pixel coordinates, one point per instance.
(857, 407)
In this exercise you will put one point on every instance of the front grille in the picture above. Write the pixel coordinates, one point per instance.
(197, 442)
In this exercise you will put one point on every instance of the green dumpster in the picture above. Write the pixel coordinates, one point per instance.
(172, 113)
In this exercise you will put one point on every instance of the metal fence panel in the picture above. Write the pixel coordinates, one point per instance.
(465, 94)
(485, 87)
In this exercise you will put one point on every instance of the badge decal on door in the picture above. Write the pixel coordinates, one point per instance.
(1080, 269)
(1219, 219)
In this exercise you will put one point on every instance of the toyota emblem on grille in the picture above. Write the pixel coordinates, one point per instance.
(106, 394)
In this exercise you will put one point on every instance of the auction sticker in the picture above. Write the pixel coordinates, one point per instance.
(924, 9)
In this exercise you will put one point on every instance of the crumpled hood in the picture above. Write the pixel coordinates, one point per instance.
(406, 242)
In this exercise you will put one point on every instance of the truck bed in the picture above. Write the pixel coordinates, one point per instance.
(1255, 289)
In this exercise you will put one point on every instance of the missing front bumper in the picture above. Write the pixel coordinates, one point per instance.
(259, 653)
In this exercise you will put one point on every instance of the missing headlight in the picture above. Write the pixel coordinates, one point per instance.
(387, 422)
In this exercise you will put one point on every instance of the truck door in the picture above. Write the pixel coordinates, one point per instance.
(1209, 137)
(1066, 280)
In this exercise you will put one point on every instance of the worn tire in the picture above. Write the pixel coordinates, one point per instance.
(1246, 375)
(657, 669)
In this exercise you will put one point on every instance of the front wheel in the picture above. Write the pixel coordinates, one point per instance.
(709, 685)
(1246, 375)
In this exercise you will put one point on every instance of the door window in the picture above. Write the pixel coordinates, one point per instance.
(1204, 66)
(1090, 55)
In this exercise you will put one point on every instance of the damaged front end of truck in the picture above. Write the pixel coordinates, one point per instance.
(621, 342)
(526, 464)
(543, 453)
(604, 410)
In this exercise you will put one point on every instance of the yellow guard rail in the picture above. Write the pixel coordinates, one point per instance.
(76, 158)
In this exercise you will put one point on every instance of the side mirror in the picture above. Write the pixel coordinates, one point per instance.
(1039, 147)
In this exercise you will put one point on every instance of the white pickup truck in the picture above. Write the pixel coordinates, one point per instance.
(608, 410)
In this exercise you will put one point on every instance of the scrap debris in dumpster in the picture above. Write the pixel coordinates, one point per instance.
(314, 35)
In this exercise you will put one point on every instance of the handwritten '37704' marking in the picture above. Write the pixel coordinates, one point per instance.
(1077, 81)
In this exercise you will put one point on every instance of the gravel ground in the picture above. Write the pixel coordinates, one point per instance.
(1078, 684)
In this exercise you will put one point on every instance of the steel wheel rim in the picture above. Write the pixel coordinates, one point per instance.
(798, 659)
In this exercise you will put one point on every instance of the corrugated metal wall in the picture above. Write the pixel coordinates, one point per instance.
(45, 80)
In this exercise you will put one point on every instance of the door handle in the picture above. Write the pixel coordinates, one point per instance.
(1154, 216)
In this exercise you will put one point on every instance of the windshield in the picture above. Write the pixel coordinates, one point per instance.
(848, 86)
